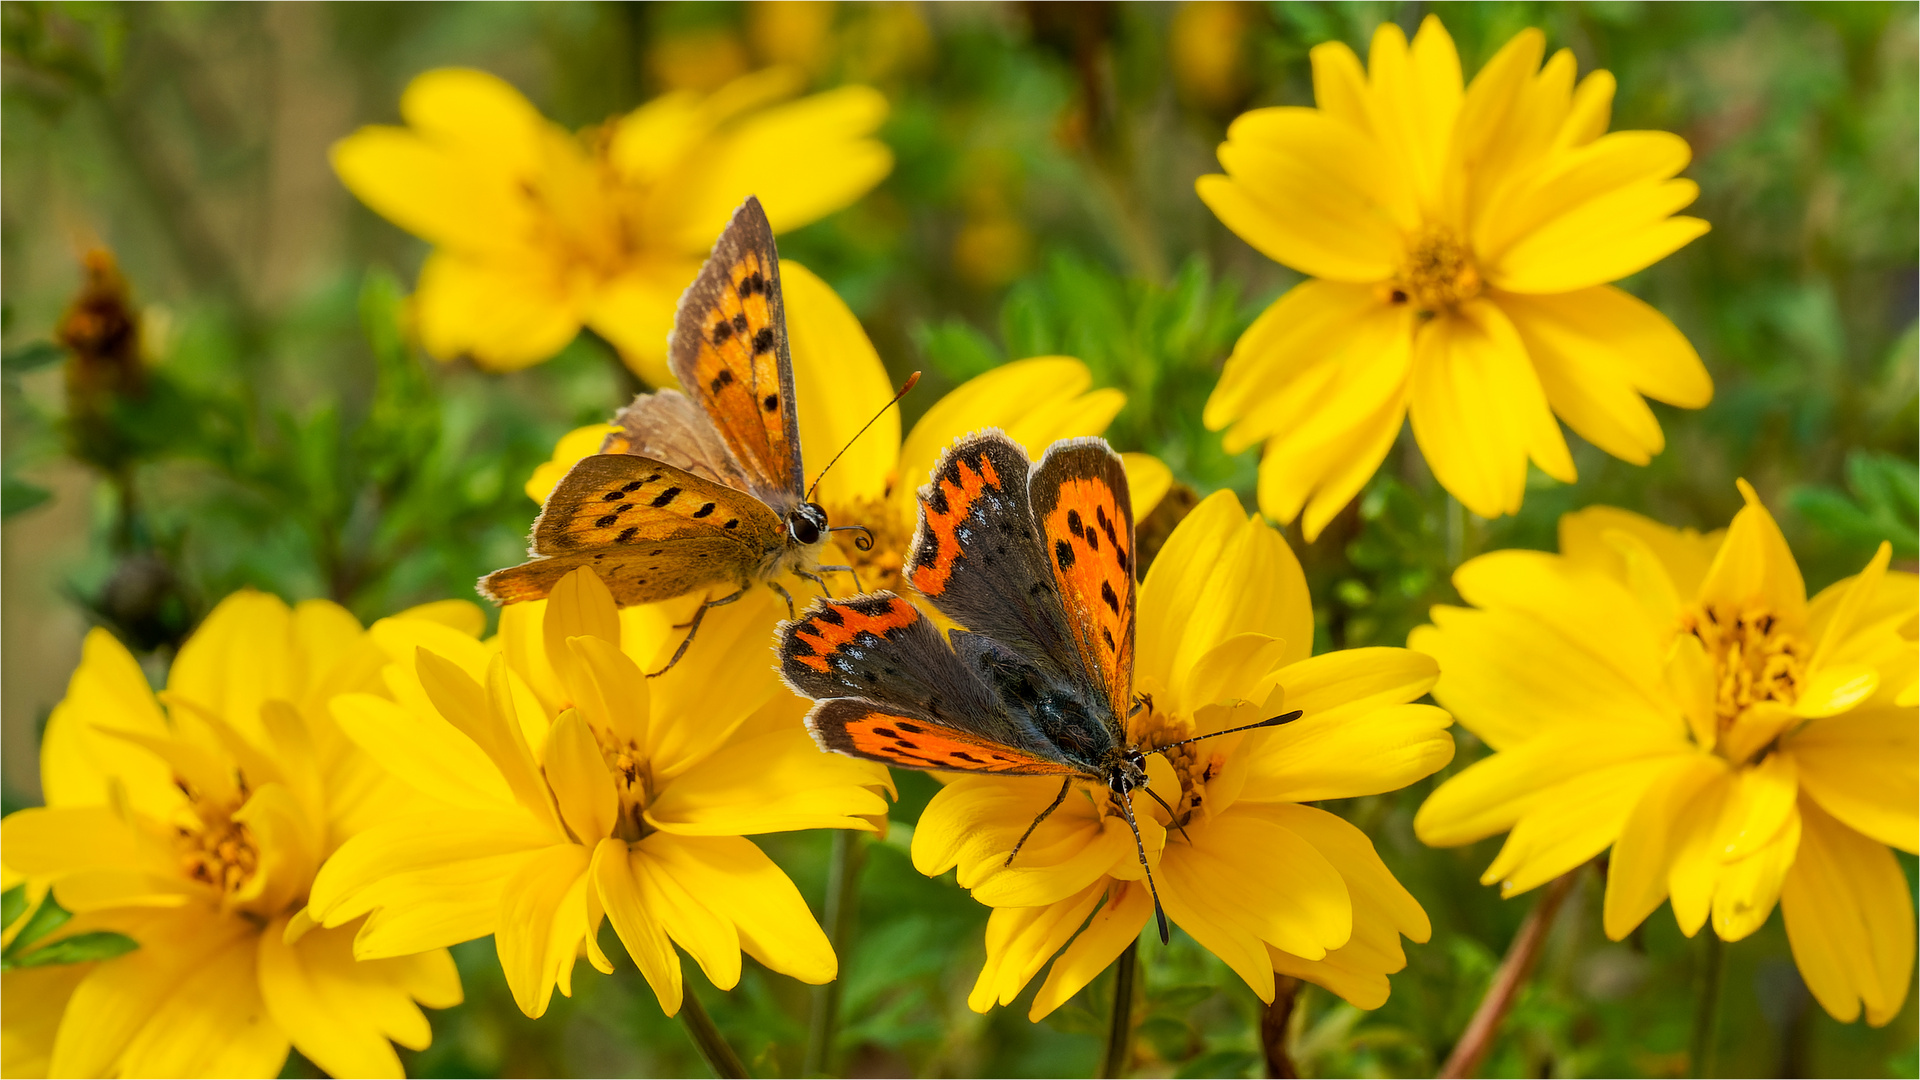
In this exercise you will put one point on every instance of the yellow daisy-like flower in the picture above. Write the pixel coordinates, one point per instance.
(840, 384)
(1677, 697)
(537, 231)
(570, 788)
(195, 828)
(1264, 882)
(1459, 243)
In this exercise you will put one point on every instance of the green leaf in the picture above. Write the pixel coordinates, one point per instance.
(17, 496)
(79, 949)
(46, 918)
(13, 904)
(31, 357)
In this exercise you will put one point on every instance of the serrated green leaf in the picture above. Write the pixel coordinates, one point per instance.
(78, 949)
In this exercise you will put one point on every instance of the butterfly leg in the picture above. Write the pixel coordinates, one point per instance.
(693, 627)
(818, 580)
(857, 587)
(1065, 785)
(784, 595)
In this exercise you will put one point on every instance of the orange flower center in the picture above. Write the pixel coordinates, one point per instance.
(1437, 274)
(880, 567)
(1754, 658)
(1193, 764)
(215, 849)
(632, 781)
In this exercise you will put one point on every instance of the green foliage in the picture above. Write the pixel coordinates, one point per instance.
(31, 946)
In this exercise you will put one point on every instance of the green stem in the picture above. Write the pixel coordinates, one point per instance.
(1120, 1026)
(706, 1038)
(843, 880)
(1701, 1058)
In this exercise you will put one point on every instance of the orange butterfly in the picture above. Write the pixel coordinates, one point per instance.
(1036, 562)
(701, 490)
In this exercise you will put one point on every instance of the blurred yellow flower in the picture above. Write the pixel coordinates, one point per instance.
(567, 788)
(840, 384)
(1264, 882)
(196, 830)
(537, 231)
(1458, 244)
(1677, 697)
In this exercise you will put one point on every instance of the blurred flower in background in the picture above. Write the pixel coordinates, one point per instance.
(1678, 699)
(565, 788)
(840, 384)
(1266, 884)
(195, 831)
(1208, 45)
(1459, 245)
(538, 232)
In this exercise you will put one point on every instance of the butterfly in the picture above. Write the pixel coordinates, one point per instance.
(1035, 562)
(697, 489)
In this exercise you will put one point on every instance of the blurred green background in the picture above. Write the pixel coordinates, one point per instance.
(284, 434)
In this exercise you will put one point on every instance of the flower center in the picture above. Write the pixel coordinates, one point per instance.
(1754, 659)
(214, 849)
(880, 567)
(1193, 764)
(1438, 272)
(632, 781)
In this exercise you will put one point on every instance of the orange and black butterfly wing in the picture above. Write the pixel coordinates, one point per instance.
(976, 555)
(1085, 516)
(729, 350)
(891, 690)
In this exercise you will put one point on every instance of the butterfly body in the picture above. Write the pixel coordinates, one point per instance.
(702, 489)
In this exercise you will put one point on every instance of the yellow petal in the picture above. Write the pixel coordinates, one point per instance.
(1352, 753)
(1851, 610)
(1475, 404)
(1036, 401)
(1760, 806)
(1604, 239)
(444, 192)
(1148, 481)
(1021, 940)
(504, 314)
(1176, 581)
(1355, 681)
(423, 750)
(1755, 567)
(44, 841)
(707, 936)
(78, 762)
(572, 446)
(238, 658)
(1266, 880)
(542, 918)
(1376, 894)
(1339, 82)
(1493, 794)
(839, 384)
(1690, 675)
(634, 311)
(211, 1022)
(1695, 866)
(1108, 933)
(1570, 822)
(578, 776)
(1864, 769)
(828, 159)
(618, 888)
(777, 782)
(1849, 916)
(1567, 181)
(1747, 889)
(1335, 236)
(1685, 554)
(341, 1023)
(1296, 334)
(739, 883)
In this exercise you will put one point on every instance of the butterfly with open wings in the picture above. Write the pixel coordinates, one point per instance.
(1035, 562)
(700, 489)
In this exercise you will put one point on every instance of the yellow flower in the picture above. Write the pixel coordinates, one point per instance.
(840, 384)
(1264, 882)
(196, 830)
(568, 788)
(538, 232)
(1459, 245)
(1677, 698)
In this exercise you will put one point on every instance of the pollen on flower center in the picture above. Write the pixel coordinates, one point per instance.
(1754, 658)
(213, 848)
(632, 781)
(1438, 272)
(1191, 764)
(880, 567)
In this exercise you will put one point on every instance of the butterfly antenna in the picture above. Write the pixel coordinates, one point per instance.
(1275, 721)
(1159, 913)
(902, 392)
(863, 542)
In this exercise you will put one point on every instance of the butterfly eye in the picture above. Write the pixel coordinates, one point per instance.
(807, 524)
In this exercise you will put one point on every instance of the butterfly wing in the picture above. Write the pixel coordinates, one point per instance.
(892, 690)
(668, 426)
(976, 556)
(729, 350)
(651, 530)
(1085, 516)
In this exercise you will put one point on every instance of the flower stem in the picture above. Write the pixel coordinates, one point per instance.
(1276, 1027)
(1120, 1026)
(1704, 1052)
(706, 1038)
(1507, 981)
(843, 881)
